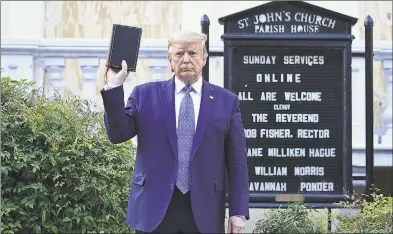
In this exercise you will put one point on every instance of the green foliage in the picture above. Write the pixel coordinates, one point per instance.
(59, 171)
(294, 219)
(376, 216)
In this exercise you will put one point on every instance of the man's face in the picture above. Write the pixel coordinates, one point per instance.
(187, 61)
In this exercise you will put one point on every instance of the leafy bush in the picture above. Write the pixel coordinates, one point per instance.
(294, 219)
(376, 216)
(59, 171)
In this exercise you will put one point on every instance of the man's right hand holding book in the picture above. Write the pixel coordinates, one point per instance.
(116, 77)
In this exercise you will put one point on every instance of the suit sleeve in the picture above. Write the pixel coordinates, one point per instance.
(236, 164)
(120, 119)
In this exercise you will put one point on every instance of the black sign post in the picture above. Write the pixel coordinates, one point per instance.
(290, 64)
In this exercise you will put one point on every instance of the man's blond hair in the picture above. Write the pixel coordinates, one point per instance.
(187, 36)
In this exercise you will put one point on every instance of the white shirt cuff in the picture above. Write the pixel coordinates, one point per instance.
(108, 86)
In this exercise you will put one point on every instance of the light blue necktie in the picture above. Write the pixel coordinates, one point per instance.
(185, 136)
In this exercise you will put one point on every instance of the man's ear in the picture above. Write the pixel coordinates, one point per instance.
(170, 64)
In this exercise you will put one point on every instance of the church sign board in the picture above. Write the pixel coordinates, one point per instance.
(289, 62)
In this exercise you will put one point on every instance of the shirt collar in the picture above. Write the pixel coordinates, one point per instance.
(179, 85)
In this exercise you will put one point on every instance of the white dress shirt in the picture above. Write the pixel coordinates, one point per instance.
(196, 96)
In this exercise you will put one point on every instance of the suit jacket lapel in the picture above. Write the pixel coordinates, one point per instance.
(205, 111)
(167, 95)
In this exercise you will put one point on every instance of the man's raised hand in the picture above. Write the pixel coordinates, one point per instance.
(118, 78)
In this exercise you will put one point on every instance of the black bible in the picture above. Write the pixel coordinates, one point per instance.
(124, 45)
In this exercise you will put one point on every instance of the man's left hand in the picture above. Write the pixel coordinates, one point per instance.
(236, 224)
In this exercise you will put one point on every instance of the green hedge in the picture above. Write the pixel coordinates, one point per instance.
(375, 217)
(59, 171)
(294, 219)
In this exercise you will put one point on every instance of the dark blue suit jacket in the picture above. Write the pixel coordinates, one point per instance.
(219, 144)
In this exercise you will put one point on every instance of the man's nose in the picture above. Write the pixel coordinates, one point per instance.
(186, 58)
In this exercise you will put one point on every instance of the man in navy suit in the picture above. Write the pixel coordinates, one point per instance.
(189, 133)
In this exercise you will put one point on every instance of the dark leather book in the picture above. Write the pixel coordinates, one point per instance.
(124, 45)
